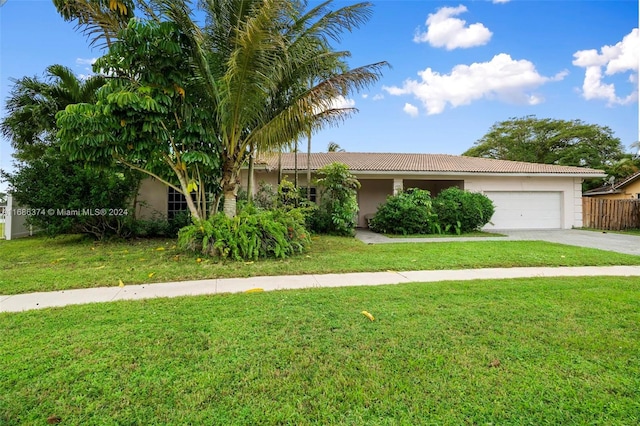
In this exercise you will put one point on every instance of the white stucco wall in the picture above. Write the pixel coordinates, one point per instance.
(152, 201)
(570, 188)
(381, 184)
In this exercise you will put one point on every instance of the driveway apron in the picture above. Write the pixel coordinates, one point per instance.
(621, 243)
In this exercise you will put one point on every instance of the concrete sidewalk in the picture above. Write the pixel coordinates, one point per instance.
(25, 302)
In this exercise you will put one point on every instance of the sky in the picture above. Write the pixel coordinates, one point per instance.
(457, 68)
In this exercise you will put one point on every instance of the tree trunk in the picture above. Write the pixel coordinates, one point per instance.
(295, 165)
(229, 187)
(250, 183)
(309, 165)
(279, 166)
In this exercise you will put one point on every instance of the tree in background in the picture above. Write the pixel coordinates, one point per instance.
(32, 104)
(550, 141)
(334, 147)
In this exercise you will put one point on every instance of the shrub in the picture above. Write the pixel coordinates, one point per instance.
(266, 196)
(250, 235)
(338, 201)
(408, 212)
(462, 211)
(160, 227)
(52, 183)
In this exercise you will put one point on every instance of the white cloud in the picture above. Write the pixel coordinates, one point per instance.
(501, 1)
(86, 61)
(412, 110)
(443, 30)
(342, 102)
(501, 78)
(338, 102)
(365, 96)
(378, 97)
(623, 57)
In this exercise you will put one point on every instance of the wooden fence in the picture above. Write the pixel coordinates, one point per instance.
(613, 215)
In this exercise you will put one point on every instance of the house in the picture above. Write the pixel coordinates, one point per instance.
(526, 195)
(625, 189)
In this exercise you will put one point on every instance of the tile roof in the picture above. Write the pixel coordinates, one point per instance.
(421, 163)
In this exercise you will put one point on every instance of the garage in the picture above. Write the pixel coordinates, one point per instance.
(526, 210)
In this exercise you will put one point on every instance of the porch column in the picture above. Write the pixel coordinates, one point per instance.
(397, 186)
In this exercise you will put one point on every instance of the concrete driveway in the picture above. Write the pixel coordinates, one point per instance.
(621, 243)
(629, 244)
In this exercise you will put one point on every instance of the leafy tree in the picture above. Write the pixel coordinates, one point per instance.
(151, 117)
(265, 55)
(550, 141)
(251, 64)
(46, 178)
(338, 200)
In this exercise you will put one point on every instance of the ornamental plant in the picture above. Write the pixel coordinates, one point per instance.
(250, 235)
(461, 210)
(338, 208)
(408, 212)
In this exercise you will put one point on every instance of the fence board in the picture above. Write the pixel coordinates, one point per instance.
(612, 215)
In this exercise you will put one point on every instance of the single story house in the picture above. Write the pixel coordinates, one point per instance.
(526, 195)
(625, 189)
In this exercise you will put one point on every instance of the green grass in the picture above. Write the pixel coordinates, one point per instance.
(626, 231)
(568, 351)
(41, 264)
(473, 234)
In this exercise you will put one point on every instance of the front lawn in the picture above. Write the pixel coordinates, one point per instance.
(554, 351)
(479, 234)
(41, 264)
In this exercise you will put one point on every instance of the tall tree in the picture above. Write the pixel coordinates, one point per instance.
(550, 141)
(251, 63)
(151, 116)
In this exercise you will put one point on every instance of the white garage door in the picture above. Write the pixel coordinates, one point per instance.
(526, 210)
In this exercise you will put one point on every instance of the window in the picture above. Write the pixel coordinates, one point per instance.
(313, 197)
(177, 203)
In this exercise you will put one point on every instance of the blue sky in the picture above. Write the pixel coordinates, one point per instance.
(457, 68)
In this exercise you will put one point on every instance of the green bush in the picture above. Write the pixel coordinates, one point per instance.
(54, 184)
(250, 235)
(408, 212)
(159, 227)
(338, 208)
(462, 211)
(266, 197)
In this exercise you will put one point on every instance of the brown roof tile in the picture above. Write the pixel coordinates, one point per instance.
(421, 163)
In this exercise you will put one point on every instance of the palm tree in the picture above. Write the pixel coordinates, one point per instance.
(30, 122)
(100, 20)
(334, 147)
(257, 58)
(254, 60)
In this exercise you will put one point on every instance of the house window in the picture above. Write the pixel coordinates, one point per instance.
(177, 203)
(312, 193)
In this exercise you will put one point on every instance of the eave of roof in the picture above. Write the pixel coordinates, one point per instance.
(424, 164)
